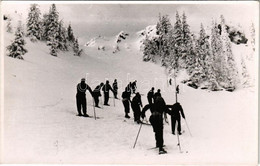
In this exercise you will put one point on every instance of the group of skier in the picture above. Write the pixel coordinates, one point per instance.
(156, 104)
(82, 87)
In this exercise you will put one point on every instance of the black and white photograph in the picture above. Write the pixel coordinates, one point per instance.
(129, 82)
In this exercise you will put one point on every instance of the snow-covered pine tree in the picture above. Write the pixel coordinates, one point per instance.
(33, 23)
(245, 74)
(186, 41)
(70, 35)
(252, 31)
(61, 37)
(52, 22)
(227, 55)
(178, 42)
(44, 27)
(9, 27)
(195, 64)
(54, 45)
(150, 49)
(206, 60)
(16, 49)
(219, 61)
(76, 50)
(164, 31)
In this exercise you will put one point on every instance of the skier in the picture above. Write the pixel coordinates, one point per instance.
(158, 110)
(150, 96)
(135, 104)
(115, 88)
(170, 81)
(158, 93)
(97, 94)
(126, 99)
(176, 109)
(106, 89)
(82, 87)
(129, 87)
(133, 86)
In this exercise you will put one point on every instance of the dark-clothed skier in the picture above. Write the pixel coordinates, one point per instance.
(82, 87)
(158, 93)
(150, 96)
(176, 110)
(158, 110)
(133, 86)
(129, 87)
(135, 104)
(97, 94)
(115, 88)
(126, 99)
(106, 89)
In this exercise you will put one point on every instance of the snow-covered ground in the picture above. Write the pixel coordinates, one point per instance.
(41, 126)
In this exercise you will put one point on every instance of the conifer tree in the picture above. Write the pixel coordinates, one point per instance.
(76, 50)
(61, 37)
(164, 30)
(177, 43)
(16, 49)
(33, 23)
(53, 45)
(70, 35)
(245, 74)
(252, 31)
(219, 62)
(227, 55)
(9, 27)
(186, 48)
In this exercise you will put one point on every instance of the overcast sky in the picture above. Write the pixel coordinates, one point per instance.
(108, 19)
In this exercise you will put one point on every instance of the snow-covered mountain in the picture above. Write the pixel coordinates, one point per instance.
(41, 126)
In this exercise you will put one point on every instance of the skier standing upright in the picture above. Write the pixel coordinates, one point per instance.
(133, 86)
(176, 110)
(126, 99)
(135, 104)
(150, 96)
(106, 89)
(158, 93)
(82, 87)
(115, 88)
(97, 94)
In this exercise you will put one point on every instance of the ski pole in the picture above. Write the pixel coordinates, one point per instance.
(101, 102)
(138, 133)
(188, 127)
(94, 108)
(179, 143)
(114, 101)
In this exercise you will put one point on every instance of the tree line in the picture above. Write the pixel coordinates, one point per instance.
(48, 28)
(208, 59)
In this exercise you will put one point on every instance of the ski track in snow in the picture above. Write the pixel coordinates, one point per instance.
(41, 125)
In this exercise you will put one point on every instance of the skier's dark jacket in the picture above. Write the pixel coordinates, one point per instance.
(176, 109)
(126, 95)
(133, 85)
(115, 87)
(159, 107)
(156, 95)
(82, 88)
(107, 87)
(136, 103)
(150, 95)
(96, 92)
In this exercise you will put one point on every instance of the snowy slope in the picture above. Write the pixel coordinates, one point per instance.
(41, 125)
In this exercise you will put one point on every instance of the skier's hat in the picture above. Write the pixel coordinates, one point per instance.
(83, 79)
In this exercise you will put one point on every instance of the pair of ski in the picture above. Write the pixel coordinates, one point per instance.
(160, 152)
(89, 117)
